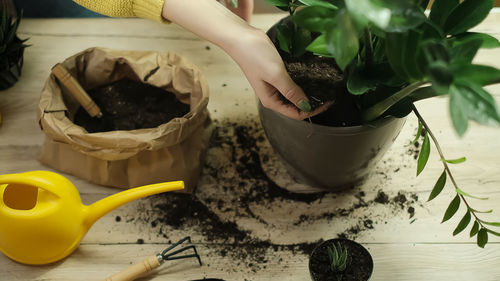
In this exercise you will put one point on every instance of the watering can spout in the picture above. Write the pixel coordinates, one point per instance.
(106, 205)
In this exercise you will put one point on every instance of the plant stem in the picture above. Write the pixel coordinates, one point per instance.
(446, 167)
(378, 109)
(368, 48)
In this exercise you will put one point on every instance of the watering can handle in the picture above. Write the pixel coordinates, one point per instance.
(42, 179)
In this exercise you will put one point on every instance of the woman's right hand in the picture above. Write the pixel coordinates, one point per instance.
(249, 47)
(264, 69)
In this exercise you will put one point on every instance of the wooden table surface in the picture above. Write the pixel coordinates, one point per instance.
(278, 229)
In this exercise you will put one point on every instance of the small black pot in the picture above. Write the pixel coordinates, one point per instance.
(10, 75)
(360, 268)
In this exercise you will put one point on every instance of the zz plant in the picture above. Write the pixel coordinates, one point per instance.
(411, 55)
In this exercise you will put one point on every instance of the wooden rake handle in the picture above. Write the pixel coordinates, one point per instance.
(136, 270)
(75, 89)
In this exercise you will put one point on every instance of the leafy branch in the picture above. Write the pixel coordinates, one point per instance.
(479, 227)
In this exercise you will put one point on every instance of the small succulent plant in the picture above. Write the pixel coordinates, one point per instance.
(11, 49)
(339, 259)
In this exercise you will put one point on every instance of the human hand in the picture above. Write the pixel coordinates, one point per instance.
(249, 47)
(244, 9)
(267, 75)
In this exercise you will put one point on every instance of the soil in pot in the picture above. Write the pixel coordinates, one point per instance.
(360, 268)
(129, 105)
(323, 81)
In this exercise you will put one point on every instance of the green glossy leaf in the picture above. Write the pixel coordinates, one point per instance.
(441, 76)
(418, 135)
(432, 30)
(301, 39)
(284, 36)
(474, 229)
(467, 15)
(474, 103)
(314, 18)
(497, 224)
(465, 52)
(441, 9)
(395, 54)
(359, 81)
(423, 93)
(424, 154)
(489, 41)
(455, 161)
(482, 237)
(452, 208)
(278, 3)
(413, 40)
(481, 212)
(320, 3)
(369, 11)
(318, 47)
(458, 114)
(435, 50)
(464, 222)
(493, 232)
(342, 40)
(438, 187)
(476, 74)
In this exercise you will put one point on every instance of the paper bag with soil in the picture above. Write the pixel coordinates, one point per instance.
(126, 158)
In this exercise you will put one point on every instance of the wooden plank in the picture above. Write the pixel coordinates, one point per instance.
(403, 249)
(402, 262)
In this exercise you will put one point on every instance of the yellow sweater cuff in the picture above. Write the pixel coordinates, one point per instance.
(149, 9)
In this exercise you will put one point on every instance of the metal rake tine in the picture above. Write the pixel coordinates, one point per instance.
(185, 257)
(176, 244)
(167, 256)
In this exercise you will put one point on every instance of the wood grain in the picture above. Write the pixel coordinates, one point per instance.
(403, 250)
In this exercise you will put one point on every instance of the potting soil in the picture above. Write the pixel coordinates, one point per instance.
(129, 105)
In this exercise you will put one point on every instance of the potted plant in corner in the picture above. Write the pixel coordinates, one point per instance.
(11, 51)
(340, 260)
(373, 59)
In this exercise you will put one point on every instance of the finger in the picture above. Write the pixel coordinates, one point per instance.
(269, 97)
(273, 102)
(292, 92)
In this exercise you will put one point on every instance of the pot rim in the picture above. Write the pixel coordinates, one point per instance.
(330, 130)
(340, 239)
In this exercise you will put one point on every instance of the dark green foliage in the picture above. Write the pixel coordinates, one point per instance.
(393, 55)
(11, 50)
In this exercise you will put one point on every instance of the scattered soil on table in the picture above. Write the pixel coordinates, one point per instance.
(129, 105)
(359, 269)
(234, 189)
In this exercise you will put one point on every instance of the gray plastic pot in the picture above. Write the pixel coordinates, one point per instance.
(331, 158)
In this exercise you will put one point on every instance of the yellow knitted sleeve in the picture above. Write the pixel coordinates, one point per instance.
(150, 9)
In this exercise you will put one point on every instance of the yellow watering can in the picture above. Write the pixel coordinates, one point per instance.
(42, 218)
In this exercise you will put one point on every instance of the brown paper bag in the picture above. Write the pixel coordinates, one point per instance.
(171, 151)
